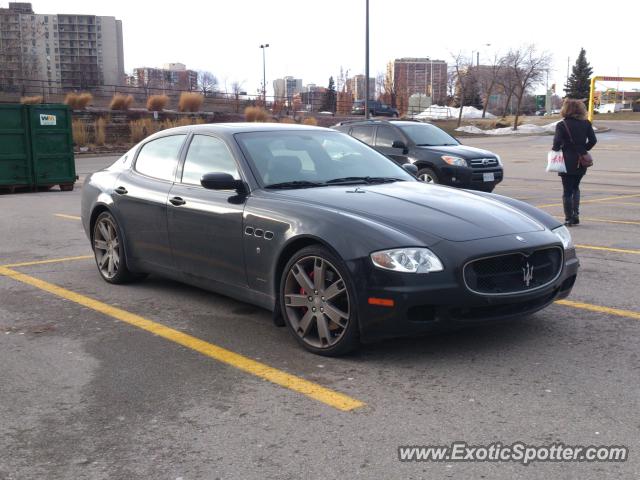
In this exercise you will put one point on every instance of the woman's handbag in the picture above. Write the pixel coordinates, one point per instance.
(555, 162)
(584, 159)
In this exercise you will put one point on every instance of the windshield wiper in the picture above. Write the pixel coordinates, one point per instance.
(426, 145)
(368, 180)
(296, 184)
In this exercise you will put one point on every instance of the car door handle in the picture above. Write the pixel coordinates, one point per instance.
(121, 191)
(177, 201)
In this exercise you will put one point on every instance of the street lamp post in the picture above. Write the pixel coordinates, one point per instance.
(366, 64)
(264, 74)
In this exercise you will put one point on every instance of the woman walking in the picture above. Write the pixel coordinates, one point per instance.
(575, 136)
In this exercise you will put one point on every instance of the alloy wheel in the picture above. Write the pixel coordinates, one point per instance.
(106, 246)
(317, 302)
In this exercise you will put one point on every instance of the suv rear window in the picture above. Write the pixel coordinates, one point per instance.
(363, 133)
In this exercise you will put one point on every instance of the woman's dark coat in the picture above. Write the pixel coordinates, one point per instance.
(584, 138)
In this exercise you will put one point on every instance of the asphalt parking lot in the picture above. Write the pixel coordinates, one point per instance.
(165, 381)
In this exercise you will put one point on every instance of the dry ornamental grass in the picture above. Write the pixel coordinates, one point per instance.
(78, 101)
(121, 102)
(31, 100)
(256, 114)
(157, 103)
(190, 102)
(80, 131)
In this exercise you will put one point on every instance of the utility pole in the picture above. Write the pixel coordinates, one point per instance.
(264, 74)
(366, 63)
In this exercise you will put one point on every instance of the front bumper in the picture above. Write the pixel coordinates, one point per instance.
(439, 301)
(472, 178)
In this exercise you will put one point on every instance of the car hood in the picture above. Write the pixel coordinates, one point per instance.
(462, 151)
(434, 210)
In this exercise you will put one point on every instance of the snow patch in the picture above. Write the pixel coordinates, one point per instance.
(527, 129)
(438, 112)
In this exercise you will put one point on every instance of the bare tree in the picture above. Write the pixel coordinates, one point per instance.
(236, 91)
(207, 83)
(488, 78)
(528, 68)
(464, 80)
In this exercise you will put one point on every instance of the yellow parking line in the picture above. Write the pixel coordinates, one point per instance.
(313, 390)
(68, 217)
(605, 220)
(605, 199)
(42, 262)
(609, 249)
(597, 308)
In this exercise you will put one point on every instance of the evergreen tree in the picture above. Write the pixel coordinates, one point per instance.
(579, 83)
(329, 104)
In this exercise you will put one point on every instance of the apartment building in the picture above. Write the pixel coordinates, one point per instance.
(60, 50)
(417, 75)
(356, 86)
(286, 88)
(170, 76)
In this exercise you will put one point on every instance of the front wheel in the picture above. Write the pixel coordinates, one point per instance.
(427, 175)
(318, 302)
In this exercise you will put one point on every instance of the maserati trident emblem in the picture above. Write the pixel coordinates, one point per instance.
(527, 276)
(521, 239)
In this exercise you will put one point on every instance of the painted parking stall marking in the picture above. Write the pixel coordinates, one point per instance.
(312, 390)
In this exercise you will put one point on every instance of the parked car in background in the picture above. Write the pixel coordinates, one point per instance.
(440, 158)
(376, 108)
(339, 241)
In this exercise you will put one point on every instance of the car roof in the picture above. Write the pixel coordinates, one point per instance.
(238, 127)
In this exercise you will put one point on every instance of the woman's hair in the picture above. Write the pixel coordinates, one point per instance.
(573, 109)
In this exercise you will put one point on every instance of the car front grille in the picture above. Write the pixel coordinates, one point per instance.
(483, 162)
(513, 273)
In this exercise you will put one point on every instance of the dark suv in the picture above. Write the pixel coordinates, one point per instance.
(376, 108)
(440, 158)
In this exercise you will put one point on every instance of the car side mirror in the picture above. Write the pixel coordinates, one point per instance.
(400, 144)
(222, 181)
(411, 168)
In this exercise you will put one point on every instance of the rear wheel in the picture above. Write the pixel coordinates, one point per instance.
(318, 302)
(66, 187)
(109, 251)
(427, 175)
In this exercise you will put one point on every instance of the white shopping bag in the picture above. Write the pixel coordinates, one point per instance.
(555, 162)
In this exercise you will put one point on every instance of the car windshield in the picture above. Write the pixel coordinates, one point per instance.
(424, 134)
(308, 158)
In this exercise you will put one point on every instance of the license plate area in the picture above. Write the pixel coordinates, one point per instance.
(488, 177)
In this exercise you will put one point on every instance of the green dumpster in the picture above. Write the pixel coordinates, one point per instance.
(15, 148)
(52, 146)
(36, 147)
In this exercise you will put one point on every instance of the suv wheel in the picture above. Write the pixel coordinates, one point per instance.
(427, 175)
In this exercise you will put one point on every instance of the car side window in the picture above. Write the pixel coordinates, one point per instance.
(159, 158)
(386, 136)
(207, 155)
(363, 133)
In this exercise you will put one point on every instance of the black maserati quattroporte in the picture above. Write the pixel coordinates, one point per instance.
(343, 244)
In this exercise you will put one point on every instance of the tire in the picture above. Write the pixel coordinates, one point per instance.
(305, 302)
(427, 175)
(106, 241)
(66, 187)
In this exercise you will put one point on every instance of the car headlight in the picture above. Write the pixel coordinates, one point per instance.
(499, 159)
(565, 236)
(460, 162)
(409, 260)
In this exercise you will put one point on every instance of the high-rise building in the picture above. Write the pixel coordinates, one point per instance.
(171, 76)
(414, 75)
(285, 88)
(356, 85)
(72, 51)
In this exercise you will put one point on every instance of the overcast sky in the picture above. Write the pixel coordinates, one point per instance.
(313, 39)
